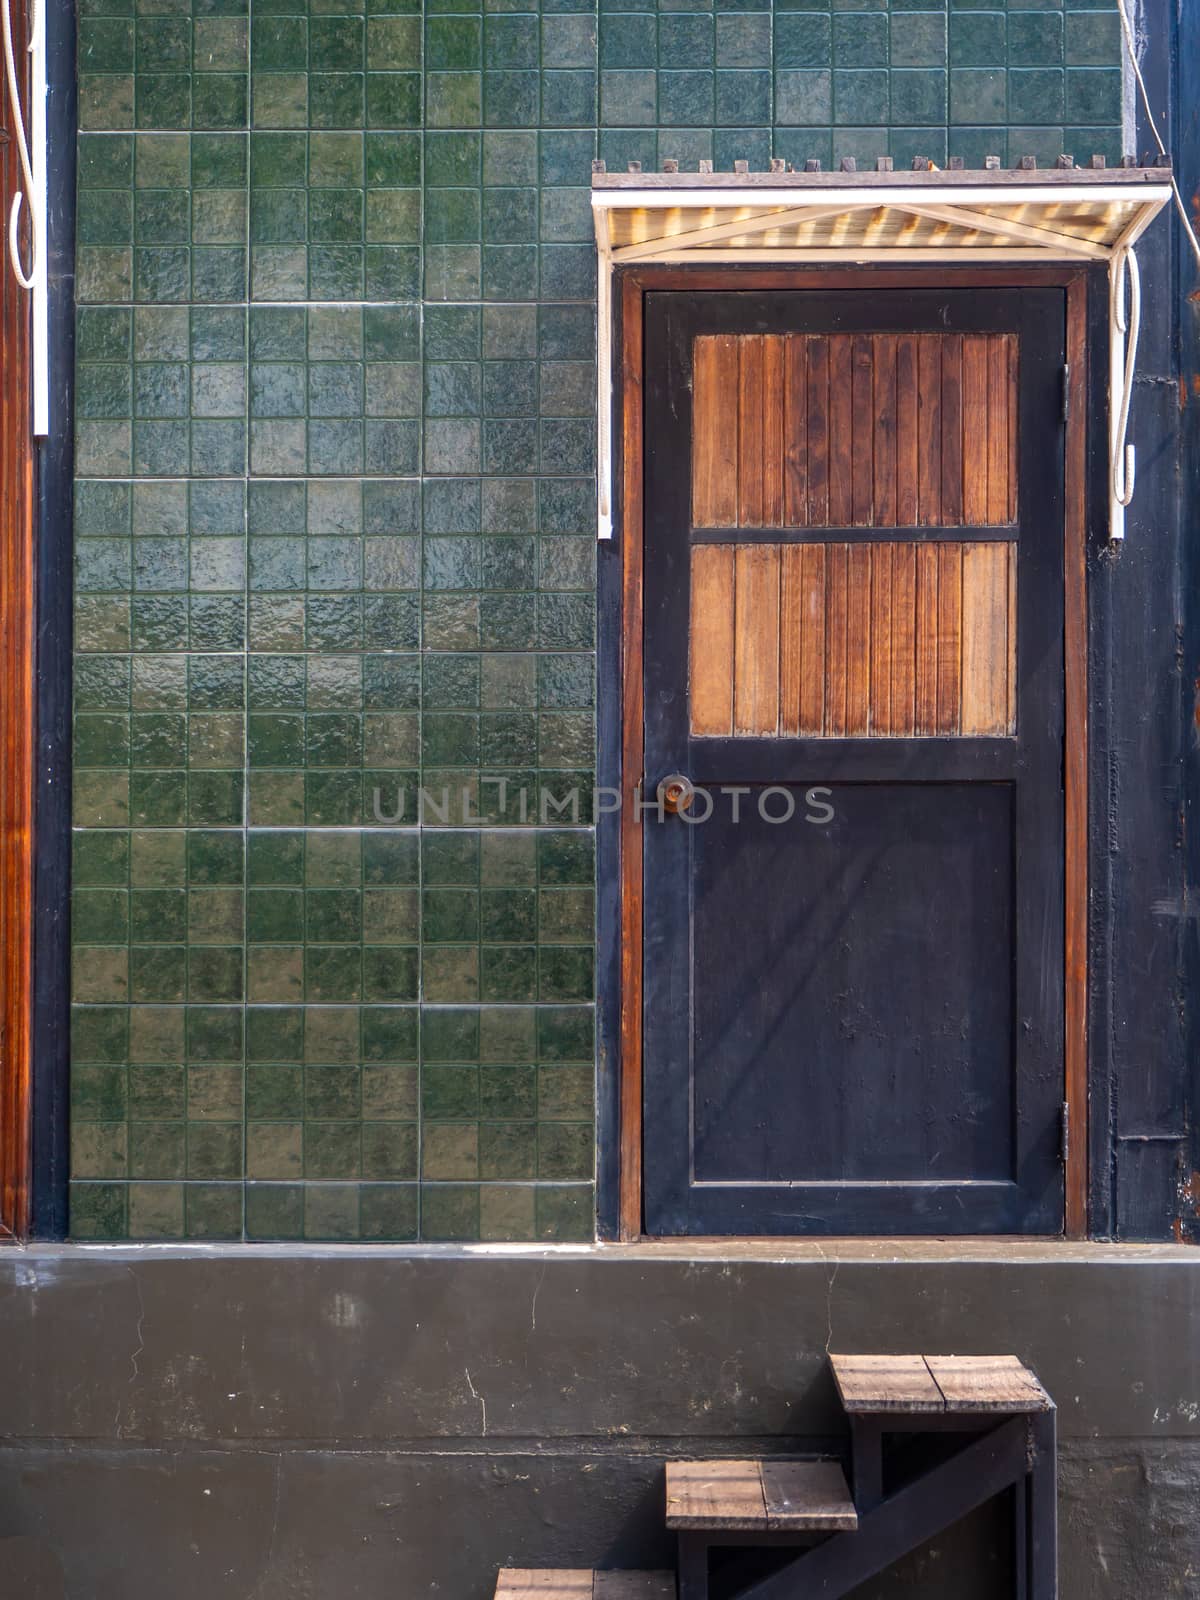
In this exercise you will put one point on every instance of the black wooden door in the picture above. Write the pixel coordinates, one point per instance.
(853, 1014)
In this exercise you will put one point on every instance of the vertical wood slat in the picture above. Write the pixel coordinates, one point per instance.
(750, 430)
(864, 425)
(841, 431)
(997, 428)
(929, 430)
(884, 430)
(715, 432)
(756, 640)
(881, 638)
(711, 639)
(949, 638)
(904, 639)
(985, 634)
(926, 686)
(773, 445)
(836, 608)
(907, 436)
(791, 637)
(952, 431)
(812, 674)
(858, 639)
(818, 431)
(974, 428)
(795, 439)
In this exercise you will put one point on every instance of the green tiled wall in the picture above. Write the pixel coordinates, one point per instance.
(335, 540)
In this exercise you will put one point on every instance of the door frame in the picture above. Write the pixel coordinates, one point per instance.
(620, 870)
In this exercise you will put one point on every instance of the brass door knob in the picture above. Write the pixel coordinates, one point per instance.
(676, 793)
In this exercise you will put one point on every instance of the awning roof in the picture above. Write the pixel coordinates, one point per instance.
(1064, 213)
(1061, 214)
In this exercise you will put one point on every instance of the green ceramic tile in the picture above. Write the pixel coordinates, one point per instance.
(330, 558)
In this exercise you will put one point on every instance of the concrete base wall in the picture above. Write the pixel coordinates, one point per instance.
(380, 1423)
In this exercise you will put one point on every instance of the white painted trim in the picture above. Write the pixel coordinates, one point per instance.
(41, 305)
(604, 459)
(698, 199)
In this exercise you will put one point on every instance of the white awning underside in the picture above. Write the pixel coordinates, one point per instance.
(1057, 222)
(1065, 214)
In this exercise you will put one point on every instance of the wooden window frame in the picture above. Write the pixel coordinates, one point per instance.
(17, 725)
(630, 288)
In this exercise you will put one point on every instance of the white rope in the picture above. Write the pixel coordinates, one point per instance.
(14, 96)
(1122, 459)
(1131, 47)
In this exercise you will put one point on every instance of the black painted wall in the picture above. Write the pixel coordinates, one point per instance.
(1143, 964)
(386, 1424)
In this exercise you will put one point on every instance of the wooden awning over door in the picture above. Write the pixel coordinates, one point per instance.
(1089, 216)
(1063, 214)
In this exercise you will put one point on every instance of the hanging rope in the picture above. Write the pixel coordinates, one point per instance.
(1128, 323)
(25, 279)
(1131, 47)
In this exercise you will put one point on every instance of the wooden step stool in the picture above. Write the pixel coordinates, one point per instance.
(994, 1404)
(1006, 1420)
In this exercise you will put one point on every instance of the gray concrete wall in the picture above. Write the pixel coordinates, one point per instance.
(387, 1423)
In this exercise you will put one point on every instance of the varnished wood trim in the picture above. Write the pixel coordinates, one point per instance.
(964, 277)
(632, 744)
(16, 731)
(1075, 762)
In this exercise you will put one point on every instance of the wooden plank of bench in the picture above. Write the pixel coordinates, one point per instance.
(634, 1586)
(518, 1583)
(759, 1495)
(715, 1494)
(581, 1583)
(807, 1494)
(987, 1383)
(875, 1384)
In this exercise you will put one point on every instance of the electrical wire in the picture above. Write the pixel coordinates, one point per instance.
(1131, 47)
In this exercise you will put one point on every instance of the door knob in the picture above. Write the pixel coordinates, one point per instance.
(676, 793)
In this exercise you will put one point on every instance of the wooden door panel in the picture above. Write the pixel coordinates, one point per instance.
(864, 430)
(854, 596)
(897, 909)
(821, 640)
